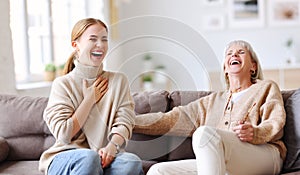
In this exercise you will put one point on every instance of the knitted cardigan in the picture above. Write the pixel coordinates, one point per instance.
(267, 115)
(114, 113)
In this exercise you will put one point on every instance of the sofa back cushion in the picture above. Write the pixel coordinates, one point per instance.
(180, 98)
(23, 127)
(151, 101)
(292, 132)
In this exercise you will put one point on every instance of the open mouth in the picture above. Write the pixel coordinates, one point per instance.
(235, 62)
(97, 54)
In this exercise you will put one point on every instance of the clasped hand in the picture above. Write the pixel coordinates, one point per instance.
(244, 131)
(97, 90)
(107, 155)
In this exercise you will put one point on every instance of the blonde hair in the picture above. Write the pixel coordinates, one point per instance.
(78, 29)
(258, 74)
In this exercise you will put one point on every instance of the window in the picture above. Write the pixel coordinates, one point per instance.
(41, 33)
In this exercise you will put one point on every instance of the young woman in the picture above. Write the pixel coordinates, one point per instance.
(90, 111)
(236, 132)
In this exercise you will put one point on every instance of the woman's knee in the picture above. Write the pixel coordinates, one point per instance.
(89, 156)
(157, 169)
(78, 161)
(131, 163)
(89, 159)
(203, 135)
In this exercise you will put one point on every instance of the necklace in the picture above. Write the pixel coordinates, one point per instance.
(230, 95)
(236, 90)
(244, 119)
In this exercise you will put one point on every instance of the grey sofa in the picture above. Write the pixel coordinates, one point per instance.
(24, 135)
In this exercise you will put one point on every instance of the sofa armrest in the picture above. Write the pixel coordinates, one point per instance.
(4, 149)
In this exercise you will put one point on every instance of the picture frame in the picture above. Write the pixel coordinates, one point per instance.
(246, 13)
(284, 13)
(213, 22)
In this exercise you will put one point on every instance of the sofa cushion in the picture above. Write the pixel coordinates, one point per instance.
(3, 149)
(181, 148)
(151, 101)
(292, 132)
(147, 147)
(23, 127)
(286, 94)
(20, 168)
(22, 115)
(180, 98)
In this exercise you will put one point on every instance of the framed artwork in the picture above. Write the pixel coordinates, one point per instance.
(246, 13)
(284, 12)
(212, 2)
(213, 22)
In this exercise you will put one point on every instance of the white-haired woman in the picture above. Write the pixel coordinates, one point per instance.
(236, 132)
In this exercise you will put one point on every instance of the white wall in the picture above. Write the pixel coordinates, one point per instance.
(181, 22)
(7, 75)
(183, 43)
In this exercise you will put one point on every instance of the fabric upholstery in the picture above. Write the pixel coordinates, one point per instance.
(180, 98)
(23, 127)
(151, 101)
(20, 168)
(292, 132)
(181, 148)
(3, 149)
(149, 147)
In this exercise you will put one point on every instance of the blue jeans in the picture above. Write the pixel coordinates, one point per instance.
(88, 162)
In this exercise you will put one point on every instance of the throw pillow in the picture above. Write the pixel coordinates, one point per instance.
(151, 101)
(292, 133)
(4, 149)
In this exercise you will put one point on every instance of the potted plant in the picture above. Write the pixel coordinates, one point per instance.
(147, 82)
(50, 72)
(60, 69)
(290, 57)
(160, 75)
(148, 65)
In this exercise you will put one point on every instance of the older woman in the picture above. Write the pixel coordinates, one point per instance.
(237, 131)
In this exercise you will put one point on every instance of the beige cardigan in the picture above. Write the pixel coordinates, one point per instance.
(113, 114)
(267, 116)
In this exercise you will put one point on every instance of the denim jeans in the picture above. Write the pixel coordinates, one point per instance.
(88, 162)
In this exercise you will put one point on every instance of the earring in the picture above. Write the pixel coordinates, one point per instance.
(253, 72)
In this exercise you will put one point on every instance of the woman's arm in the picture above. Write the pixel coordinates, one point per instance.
(91, 95)
(62, 119)
(180, 121)
(271, 117)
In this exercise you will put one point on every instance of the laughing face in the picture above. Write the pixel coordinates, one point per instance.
(238, 61)
(92, 45)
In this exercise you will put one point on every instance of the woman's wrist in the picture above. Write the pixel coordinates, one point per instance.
(117, 146)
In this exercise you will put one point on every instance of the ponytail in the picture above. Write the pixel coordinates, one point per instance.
(69, 66)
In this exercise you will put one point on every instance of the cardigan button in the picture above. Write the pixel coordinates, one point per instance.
(226, 123)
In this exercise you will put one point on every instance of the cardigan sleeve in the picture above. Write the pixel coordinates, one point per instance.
(272, 116)
(180, 121)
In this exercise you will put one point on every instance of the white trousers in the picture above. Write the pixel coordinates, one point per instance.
(220, 152)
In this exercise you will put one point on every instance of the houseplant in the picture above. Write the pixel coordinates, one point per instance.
(60, 69)
(50, 72)
(147, 82)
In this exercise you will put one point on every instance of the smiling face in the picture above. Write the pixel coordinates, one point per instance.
(238, 61)
(92, 45)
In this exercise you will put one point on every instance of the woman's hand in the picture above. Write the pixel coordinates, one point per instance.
(107, 154)
(97, 90)
(244, 131)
